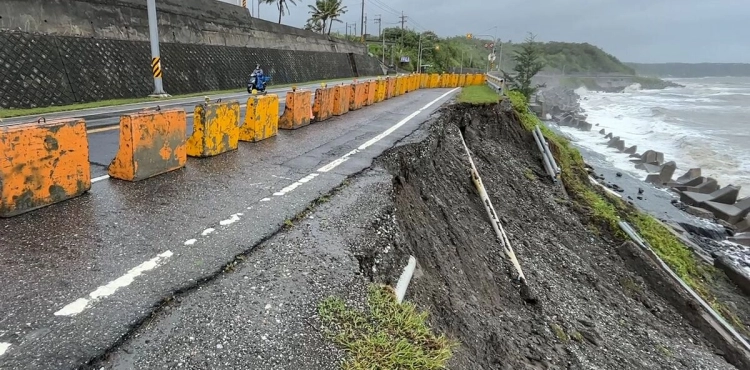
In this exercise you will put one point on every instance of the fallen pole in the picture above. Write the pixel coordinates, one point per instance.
(547, 165)
(546, 150)
(403, 281)
(526, 293)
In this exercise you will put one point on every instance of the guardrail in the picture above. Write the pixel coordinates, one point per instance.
(496, 83)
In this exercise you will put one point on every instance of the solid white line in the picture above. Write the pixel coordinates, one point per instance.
(4, 347)
(335, 163)
(110, 288)
(403, 281)
(100, 178)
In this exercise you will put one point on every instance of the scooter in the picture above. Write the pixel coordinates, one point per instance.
(257, 83)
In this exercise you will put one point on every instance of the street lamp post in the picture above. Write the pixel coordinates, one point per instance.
(419, 55)
(153, 31)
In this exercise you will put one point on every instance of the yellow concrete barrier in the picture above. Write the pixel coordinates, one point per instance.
(415, 82)
(297, 111)
(434, 81)
(405, 85)
(151, 143)
(391, 88)
(424, 81)
(216, 129)
(261, 118)
(357, 97)
(381, 90)
(371, 89)
(341, 99)
(398, 85)
(454, 80)
(323, 105)
(462, 80)
(42, 163)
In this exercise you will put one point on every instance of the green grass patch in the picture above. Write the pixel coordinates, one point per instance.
(387, 335)
(478, 94)
(9, 113)
(605, 213)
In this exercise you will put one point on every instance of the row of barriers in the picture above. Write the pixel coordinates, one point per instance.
(46, 162)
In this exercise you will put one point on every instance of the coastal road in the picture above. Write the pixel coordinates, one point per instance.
(79, 275)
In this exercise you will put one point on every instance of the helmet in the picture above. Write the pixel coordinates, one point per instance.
(257, 66)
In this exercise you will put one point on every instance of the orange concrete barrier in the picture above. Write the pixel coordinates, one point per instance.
(424, 81)
(216, 129)
(323, 105)
(371, 89)
(297, 110)
(43, 163)
(381, 90)
(341, 99)
(434, 81)
(151, 143)
(462, 80)
(454, 80)
(357, 98)
(415, 82)
(390, 87)
(398, 83)
(261, 118)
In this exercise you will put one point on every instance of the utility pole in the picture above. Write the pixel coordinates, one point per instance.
(379, 21)
(362, 25)
(355, 28)
(364, 30)
(403, 20)
(153, 32)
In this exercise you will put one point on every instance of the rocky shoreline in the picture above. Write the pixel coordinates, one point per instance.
(708, 217)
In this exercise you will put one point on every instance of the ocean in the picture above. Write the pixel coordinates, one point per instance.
(705, 124)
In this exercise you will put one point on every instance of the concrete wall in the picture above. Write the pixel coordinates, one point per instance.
(206, 22)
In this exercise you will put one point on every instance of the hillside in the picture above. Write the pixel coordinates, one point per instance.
(576, 58)
(692, 69)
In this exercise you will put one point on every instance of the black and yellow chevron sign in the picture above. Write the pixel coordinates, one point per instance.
(156, 67)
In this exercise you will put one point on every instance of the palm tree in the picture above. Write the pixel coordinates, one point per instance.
(281, 4)
(328, 11)
(318, 15)
(315, 25)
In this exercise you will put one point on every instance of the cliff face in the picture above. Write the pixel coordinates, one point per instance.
(206, 22)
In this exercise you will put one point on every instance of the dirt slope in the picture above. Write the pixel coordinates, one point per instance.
(593, 312)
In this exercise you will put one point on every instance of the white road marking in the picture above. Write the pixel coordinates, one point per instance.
(232, 219)
(335, 163)
(208, 231)
(191, 241)
(3, 348)
(265, 199)
(295, 185)
(107, 290)
(100, 178)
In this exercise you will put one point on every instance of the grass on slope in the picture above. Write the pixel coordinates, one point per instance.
(388, 335)
(9, 113)
(479, 94)
(607, 211)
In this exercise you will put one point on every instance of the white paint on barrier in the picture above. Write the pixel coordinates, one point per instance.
(335, 163)
(4, 348)
(208, 231)
(110, 288)
(191, 241)
(100, 178)
(232, 219)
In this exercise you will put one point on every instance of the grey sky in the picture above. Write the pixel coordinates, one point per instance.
(635, 30)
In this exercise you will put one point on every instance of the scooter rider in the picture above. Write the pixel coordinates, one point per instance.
(258, 71)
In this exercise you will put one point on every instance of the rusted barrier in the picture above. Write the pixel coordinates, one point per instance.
(261, 118)
(371, 89)
(152, 142)
(44, 162)
(297, 111)
(357, 97)
(216, 129)
(341, 99)
(381, 90)
(323, 105)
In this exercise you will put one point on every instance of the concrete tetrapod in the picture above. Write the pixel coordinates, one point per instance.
(45, 162)
(631, 150)
(732, 213)
(685, 186)
(664, 176)
(709, 185)
(727, 195)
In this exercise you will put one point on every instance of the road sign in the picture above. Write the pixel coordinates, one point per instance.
(491, 57)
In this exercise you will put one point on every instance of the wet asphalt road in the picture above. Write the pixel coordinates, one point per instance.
(124, 247)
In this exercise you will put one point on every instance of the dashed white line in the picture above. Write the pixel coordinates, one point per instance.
(3, 348)
(265, 200)
(295, 185)
(100, 178)
(335, 163)
(232, 219)
(107, 290)
(191, 241)
(208, 231)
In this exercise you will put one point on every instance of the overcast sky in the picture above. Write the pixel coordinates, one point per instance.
(632, 30)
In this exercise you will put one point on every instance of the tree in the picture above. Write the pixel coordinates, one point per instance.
(327, 11)
(281, 5)
(529, 62)
(315, 25)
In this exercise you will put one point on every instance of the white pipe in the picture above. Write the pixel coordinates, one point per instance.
(547, 165)
(403, 281)
(546, 150)
(608, 190)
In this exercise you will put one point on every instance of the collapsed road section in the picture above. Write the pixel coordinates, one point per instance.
(417, 199)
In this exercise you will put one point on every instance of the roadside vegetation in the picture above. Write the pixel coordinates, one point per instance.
(479, 94)
(387, 335)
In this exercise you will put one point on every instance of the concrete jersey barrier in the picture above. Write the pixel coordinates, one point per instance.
(261, 118)
(216, 129)
(44, 163)
(297, 111)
